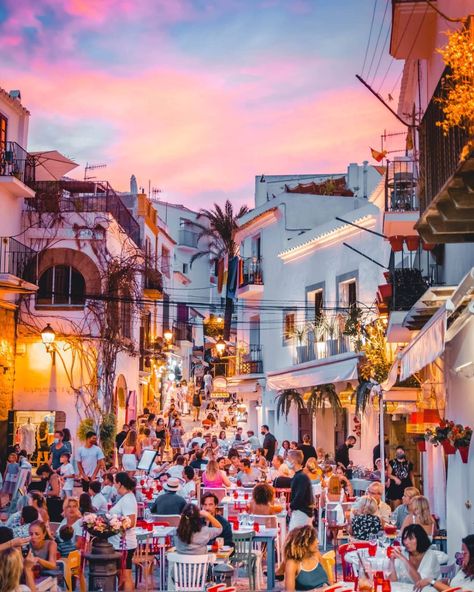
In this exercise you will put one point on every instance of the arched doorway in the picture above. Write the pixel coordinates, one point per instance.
(121, 392)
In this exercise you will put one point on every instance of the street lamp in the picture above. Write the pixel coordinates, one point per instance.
(168, 334)
(220, 346)
(47, 337)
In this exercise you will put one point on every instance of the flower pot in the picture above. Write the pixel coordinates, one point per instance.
(421, 445)
(385, 290)
(396, 242)
(448, 447)
(412, 242)
(464, 452)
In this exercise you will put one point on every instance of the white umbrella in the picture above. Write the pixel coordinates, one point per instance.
(51, 165)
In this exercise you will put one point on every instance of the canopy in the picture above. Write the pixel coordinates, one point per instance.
(242, 386)
(51, 165)
(338, 368)
(426, 346)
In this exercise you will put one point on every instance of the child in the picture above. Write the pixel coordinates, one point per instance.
(66, 470)
(108, 489)
(64, 540)
(10, 476)
(97, 499)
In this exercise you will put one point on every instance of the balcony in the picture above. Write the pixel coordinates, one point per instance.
(71, 196)
(17, 170)
(413, 29)
(188, 238)
(250, 362)
(323, 342)
(17, 266)
(152, 284)
(401, 204)
(183, 331)
(446, 195)
(250, 283)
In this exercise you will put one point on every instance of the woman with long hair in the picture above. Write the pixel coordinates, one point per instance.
(285, 446)
(176, 437)
(161, 433)
(191, 536)
(42, 546)
(214, 477)
(418, 561)
(345, 483)
(129, 457)
(420, 513)
(12, 566)
(303, 569)
(313, 471)
(126, 506)
(334, 492)
(38, 501)
(464, 579)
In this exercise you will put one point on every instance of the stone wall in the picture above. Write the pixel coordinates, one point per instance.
(7, 360)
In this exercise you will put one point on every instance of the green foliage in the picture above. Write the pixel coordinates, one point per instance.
(285, 401)
(108, 430)
(322, 396)
(86, 425)
(362, 394)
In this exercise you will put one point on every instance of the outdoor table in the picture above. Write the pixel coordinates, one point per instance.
(360, 485)
(395, 586)
(160, 533)
(265, 535)
(45, 583)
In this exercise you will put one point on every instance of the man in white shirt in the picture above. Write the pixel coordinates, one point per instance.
(384, 511)
(90, 460)
(177, 469)
(198, 439)
(189, 488)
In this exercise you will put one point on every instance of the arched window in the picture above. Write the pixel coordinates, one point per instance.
(61, 285)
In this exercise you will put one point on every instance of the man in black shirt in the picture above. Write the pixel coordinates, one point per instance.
(307, 449)
(119, 440)
(301, 498)
(209, 503)
(269, 443)
(342, 452)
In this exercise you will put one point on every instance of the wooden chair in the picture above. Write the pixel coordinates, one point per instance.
(187, 573)
(143, 559)
(72, 567)
(172, 519)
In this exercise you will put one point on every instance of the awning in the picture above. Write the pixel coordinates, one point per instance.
(426, 346)
(243, 386)
(340, 368)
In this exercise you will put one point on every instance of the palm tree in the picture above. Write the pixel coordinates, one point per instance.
(219, 233)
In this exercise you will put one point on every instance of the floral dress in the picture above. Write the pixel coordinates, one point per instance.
(176, 440)
(364, 526)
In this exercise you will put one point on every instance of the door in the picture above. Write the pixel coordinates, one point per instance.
(305, 425)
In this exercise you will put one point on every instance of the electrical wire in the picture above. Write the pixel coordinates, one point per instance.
(382, 53)
(370, 36)
(378, 38)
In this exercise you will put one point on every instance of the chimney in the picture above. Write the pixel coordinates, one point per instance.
(15, 94)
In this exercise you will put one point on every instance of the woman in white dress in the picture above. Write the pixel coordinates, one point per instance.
(418, 562)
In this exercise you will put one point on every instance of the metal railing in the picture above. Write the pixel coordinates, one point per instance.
(251, 362)
(153, 280)
(15, 161)
(439, 152)
(188, 238)
(400, 186)
(251, 271)
(183, 331)
(325, 341)
(16, 258)
(82, 197)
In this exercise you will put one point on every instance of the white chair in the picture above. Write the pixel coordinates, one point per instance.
(187, 573)
(219, 492)
(172, 519)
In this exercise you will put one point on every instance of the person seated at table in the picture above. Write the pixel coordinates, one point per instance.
(420, 513)
(214, 477)
(85, 504)
(65, 540)
(198, 461)
(260, 461)
(402, 511)
(303, 568)
(108, 490)
(98, 500)
(345, 483)
(285, 446)
(192, 537)
(418, 562)
(248, 475)
(464, 579)
(209, 503)
(321, 456)
(263, 500)
(334, 492)
(384, 511)
(235, 464)
(252, 440)
(327, 474)
(169, 502)
(283, 481)
(222, 439)
(43, 548)
(222, 463)
(73, 518)
(188, 489)
(365, 523)
(177, 469)
(12, 566)
(313, 471)
(28, 515)
(376, 475)
(276, 467)
(238, 438)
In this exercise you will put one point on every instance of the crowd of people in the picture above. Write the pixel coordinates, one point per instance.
(191, 469)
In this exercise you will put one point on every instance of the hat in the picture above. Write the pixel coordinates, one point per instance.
(172, 484)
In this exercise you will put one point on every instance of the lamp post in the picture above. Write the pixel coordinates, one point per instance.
(220, 346)
(48, 337)
(168, 335)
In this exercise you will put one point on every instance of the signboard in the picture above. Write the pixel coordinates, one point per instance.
(219, 388)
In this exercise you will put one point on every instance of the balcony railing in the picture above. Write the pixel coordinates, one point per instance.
(153, 280)
(16, 258)
(327, 340)
(82, 197)
(439, 153)
(183, 331)
(251, 272)
(251, 362)
(188, 238)
(15, 161)
(400, 186)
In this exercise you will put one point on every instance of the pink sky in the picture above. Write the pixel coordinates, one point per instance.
(197, 97)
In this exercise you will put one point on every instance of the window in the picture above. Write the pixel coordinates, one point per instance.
(185, 267)
(289, 323)
(61, 285)
(318, 303)
(3, 131)
(165, 261)
(348, 293)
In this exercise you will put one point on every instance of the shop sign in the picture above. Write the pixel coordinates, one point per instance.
(219, 388)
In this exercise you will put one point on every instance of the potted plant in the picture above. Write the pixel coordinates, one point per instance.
(442, 435)
(318, 328)
(301, 349)
(462, 438)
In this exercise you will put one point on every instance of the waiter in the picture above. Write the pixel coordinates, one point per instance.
(342, 452)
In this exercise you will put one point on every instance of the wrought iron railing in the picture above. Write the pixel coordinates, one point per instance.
(16, 258)
(81, 197)
(251, 271)
(188, 238)
(183, 331)
(439, 152)
(15, 161)
(400, 186)
(251, 362)
(153, 280)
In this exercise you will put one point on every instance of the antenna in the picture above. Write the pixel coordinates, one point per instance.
(92, 167)
(155, 193)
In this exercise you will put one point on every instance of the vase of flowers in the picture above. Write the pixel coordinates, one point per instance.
(103, 526)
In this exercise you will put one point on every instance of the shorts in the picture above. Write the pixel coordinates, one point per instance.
(299, 518)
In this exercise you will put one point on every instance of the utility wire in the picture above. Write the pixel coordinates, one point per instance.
(370, 36)
(378, 38)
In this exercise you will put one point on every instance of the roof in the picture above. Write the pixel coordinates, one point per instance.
(331, 187)
(15, 103)
(257, 217)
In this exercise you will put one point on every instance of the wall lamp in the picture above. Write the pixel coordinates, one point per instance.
(47, 337)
